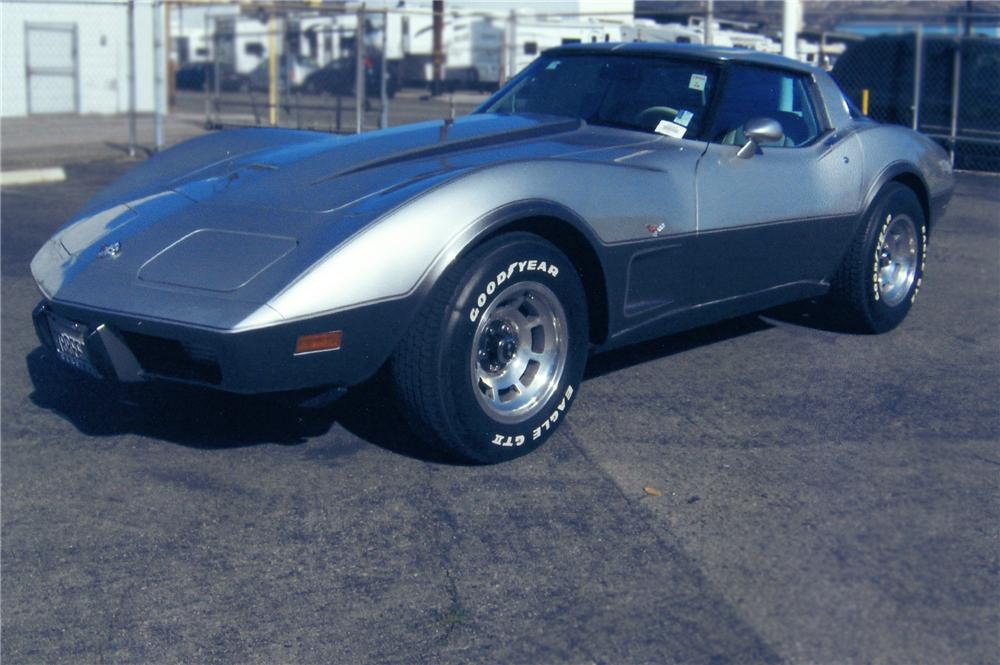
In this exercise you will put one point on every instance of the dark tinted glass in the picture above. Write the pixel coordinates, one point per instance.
(622, 91)
(752, 92)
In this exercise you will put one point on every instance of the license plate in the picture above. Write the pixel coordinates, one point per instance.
(71, 344)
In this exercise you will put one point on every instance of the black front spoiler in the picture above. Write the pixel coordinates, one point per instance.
(260, 360)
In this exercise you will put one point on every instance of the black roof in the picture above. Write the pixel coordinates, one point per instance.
(694, 51)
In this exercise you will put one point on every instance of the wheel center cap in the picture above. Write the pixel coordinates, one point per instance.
(497, 346)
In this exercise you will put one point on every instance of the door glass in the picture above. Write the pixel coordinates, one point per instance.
(752, 92)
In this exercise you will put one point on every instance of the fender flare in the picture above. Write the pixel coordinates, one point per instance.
(508, 217)
(891, 172)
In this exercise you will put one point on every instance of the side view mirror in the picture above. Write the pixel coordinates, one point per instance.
(757, 131)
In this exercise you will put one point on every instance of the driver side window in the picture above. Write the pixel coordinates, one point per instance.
(752, 92)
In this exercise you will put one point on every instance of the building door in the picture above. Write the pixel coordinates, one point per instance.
(52, 68)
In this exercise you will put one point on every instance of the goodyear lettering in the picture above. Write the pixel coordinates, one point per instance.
(878, 245)
(923, 261)
(530, 265)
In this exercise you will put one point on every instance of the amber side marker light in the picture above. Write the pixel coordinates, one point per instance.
(328, 341)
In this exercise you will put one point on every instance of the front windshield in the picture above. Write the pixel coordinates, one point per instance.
(645, 93)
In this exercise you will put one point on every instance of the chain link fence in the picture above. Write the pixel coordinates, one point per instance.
(343, 68)
(346, 67)
(937, 74)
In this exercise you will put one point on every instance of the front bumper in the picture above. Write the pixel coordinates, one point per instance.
(128, 349)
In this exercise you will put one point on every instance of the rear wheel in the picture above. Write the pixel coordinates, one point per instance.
(883, 269)
(493, 363)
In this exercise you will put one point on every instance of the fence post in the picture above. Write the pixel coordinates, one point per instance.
(512, 45)
(918, 74)
(158, 73)
(383, 92)
(216, 75)
(956, 77)
(359, 72)
(272, 70)
(437, 46)
(502, 76)
(709, 23)
(131, 78)
(209, 34)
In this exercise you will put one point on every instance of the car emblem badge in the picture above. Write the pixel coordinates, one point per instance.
(656, 230)
(110, 251)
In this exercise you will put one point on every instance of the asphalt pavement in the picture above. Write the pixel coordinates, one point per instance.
(817, 497)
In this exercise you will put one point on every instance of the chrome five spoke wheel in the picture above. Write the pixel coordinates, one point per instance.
(519, 352)
(897, 260)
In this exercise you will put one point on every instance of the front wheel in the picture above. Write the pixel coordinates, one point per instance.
(494, 361)
(883, 269)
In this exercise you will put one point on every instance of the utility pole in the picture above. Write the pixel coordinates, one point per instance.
(790, 25)
(438, 54)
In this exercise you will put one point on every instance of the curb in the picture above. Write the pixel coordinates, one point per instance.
(32, 176)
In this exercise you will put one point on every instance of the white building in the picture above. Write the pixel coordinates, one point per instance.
(72, 57)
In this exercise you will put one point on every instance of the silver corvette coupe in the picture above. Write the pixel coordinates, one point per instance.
(608, 194)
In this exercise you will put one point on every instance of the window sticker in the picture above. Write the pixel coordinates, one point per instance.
(697, 82)
(671, 129)
(554, 64)
(684, 117)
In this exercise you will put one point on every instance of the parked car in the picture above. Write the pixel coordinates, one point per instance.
(884, 65)
(338, 77)
(292, 72)
(198, 75)
(608, 194)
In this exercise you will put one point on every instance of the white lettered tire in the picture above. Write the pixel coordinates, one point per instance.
(494, 362)
(883, 270)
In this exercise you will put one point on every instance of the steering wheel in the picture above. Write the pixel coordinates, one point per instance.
(649, 114)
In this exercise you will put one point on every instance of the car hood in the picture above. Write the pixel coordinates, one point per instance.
(236, 217)
(314, 172)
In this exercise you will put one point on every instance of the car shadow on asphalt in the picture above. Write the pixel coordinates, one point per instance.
(662, 347)
(371, 412)
(187, 415)
(209, 419)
